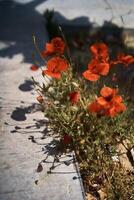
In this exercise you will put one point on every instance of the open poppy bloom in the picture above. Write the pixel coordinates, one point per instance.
(99, 64)
(108, 104)
(55, 66)
(56, 45)
(34, 67)
(100, 51)
(124, 59)
(95, 69)
(74, 97)
(40, 99)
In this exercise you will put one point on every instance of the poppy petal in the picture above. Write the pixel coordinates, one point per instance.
(94, 107)
(63, 65)
(101, 101)
(106, 92)
(117, 99)
(90, 76)
(92, 64)
(49, 48)
(58, 64)
(112, 111)
(99, 50)
(52, 74)
(125, 59)
(34, 67)
(58, 44)
(103, 68)
(121, 107)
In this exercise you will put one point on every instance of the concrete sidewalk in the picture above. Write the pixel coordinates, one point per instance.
(24, 142)
(85, 12)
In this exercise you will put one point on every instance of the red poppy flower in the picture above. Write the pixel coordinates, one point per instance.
(56, 45)
(99, 64)
(40, 99)
(34, 67)
(90, 76)
(74, 97)
(108, 104)
(99, 51)
(55, 66)
(124, 59)
(95, 69)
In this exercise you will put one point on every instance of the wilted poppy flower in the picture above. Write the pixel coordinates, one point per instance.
(34, 67)
(55, 66)
(108, 104)
(95, 69)
(56, 45)
(99, 51)
(40, 99)
(74, 97)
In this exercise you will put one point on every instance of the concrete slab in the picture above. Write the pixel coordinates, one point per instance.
(24, 142)
(83, 12)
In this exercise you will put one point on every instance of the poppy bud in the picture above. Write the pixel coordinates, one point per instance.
(74, 97)
(34, 67)
(40, 99)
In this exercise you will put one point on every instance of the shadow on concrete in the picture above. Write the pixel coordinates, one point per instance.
(19, 114)
(18, 23)
(54, 151)
(26, 86)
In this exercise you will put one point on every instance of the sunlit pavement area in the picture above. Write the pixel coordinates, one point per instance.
(21, 116)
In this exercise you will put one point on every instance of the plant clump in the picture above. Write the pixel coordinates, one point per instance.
(90, 116)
